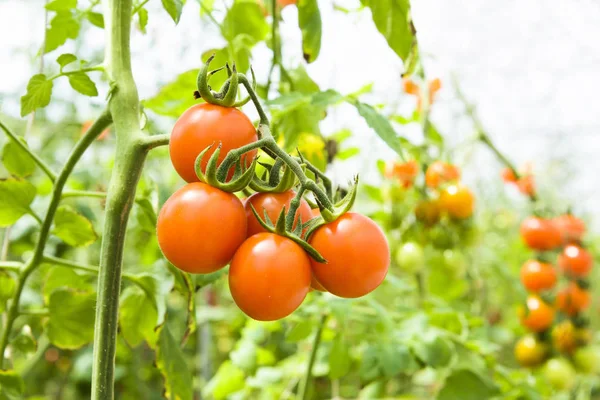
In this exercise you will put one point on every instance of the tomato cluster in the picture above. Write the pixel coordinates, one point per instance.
(547, 304)
(525, 182)
(202, 228)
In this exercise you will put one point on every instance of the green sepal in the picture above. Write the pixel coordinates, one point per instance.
(228, 93)
(343, 206)
(279, 229)
(278, 182)
(247, 98)
(240, 179)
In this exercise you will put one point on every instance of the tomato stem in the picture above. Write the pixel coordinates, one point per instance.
(291, 214)
(303, 390)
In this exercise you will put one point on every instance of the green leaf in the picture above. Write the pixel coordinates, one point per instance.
(73, 228)
(11, 383)
(465, 384)
(83, 84)
(39, 90)
(173, 8)
(7, 289)
(392, 19)
(433, 136)
(24, 342)
(173, 367)
(62, 27)
(339, 358)
(143, 19)
(60, 277)
(433, 350)
(380, 125)
(95, 19)
(138, 316)
(245, 18)
(327, 98)
(72, 314)
(347, 153)
(228, 379)
(61, 5)
(300, 331)
(309, 20)
(15, 198)
(175, 97)
(395, 359)
(66, 59)
(16, 160)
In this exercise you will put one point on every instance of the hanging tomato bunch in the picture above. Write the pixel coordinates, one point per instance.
(292, 234)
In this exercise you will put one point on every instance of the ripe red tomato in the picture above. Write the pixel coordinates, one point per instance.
(269, 276)
(199, 228)
(537, 276)
(405, 172)
(203, 125)
(540, 234)
(575, 261)
(573, 299)
(571, 228)
(357, 254)
(440, 172)
(538, 316)
(529, 351)
(458, 201)
(272, 203)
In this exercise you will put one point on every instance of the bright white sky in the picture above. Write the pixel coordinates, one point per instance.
(531, 66)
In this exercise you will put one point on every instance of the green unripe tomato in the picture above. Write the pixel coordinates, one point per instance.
(410, 257)
(455, 262)
(587, 359)
(441, 238)
(560, 374)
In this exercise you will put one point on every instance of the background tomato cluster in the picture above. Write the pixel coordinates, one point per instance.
(445, 323)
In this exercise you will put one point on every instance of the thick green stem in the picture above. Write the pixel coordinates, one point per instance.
(47, 170)
(88, 138)
(10, 265)
(304, 385)
(130, 155)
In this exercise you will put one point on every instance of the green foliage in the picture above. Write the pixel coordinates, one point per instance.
(138, 316)
(71, 322)
(175, 97)
(63, 26)
(11, 383)
(172, 365)
(468, 385)
(309, 20)
(173, 8)
(39, 91)
(82, 83)
(16, 197)
(73, 228)
(16, 160)
(381, 126)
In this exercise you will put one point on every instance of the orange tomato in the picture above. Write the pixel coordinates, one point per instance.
(273, 203)
(199, 228)
(405, 172)
(439, 173)
(285, 3)
(526, 185)
(458, 201)
(537, 276)
(540, 234)
(508, 176)
(207, 124)
(575, 261)
(529, 351)
(269, 276)
(573, 299)
(410, 86)
(315, 285)
(357, 254)
(538, 315)
(571, 228)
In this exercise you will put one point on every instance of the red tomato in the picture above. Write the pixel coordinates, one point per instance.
(538, 316)
(571, 228)
(441, 172)
(410, 86)
(508, 176)
(315, 285)
(269, 276)
(405, 172)
(575, 261)
(537, 276)
(203, 125)
(357, 254)
(199, 228)
(458, 201)
(526, 185)
(573, 299)
(272, 203)
(540, 234)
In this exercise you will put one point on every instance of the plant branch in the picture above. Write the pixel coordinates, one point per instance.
(41, 312)
(139, 7)
(83, 193)
(86, 140)
(151, 142)
(10, 266)
(47, 170)
(303, 391)
(86, 268)
(276, 50)
(82, 70)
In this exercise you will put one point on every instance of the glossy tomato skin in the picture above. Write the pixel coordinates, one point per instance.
(537, 276)
(575, 261)
(273, 203)
(440, 172)
(269, 276)
(410, 257)
(458, 201)
(573, 299)
(357, 254)
(564, 337)
(405, 172)
(560, 373)
(207, 124)
(199, 228)
(540, 234)
(571, 228)
(529, 351)
(538, 316)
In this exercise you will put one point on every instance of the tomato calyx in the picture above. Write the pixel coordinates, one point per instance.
(213, 176)
(277, 178)
(227, 96)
